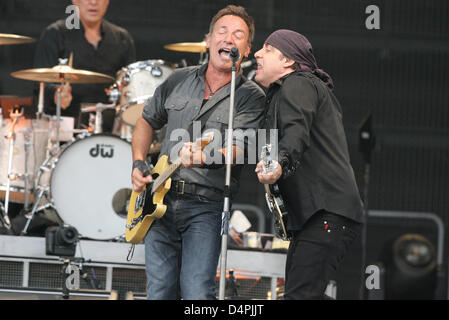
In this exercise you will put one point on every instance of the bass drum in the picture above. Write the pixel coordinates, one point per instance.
(90, 185)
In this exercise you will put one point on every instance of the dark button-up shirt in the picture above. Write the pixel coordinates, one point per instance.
(313, 151)
(114, 51)
(179, 101)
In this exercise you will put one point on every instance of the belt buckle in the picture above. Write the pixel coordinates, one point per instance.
(177, 187)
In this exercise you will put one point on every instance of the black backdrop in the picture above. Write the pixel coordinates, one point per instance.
(398, 73)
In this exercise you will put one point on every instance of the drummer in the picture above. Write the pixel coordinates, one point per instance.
(97, 46)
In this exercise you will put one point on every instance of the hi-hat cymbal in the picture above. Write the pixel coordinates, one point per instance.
(14, 39)
(62, 73)
(196, 47)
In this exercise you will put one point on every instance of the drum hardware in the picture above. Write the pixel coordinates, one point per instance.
(247, 64)
(30, 216)
(3, 216)
(98, 109)
(25, 177)
(40, 105)
(114, 93)
(61, 73)
(181, 64)
(14, 115)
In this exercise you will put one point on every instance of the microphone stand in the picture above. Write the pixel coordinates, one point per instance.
(367, 143)
(227, 191)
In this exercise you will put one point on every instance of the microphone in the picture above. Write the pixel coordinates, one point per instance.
(234, 54)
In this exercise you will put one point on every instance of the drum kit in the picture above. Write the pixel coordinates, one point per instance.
(86, 180)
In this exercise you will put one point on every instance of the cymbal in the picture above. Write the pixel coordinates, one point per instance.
(196, 47)
(62, 73)
(14, 39)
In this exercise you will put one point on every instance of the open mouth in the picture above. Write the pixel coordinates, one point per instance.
(223, 52)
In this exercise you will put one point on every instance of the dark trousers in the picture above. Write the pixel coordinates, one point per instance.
(315, 253)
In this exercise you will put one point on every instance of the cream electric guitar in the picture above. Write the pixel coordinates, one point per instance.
(148, 205)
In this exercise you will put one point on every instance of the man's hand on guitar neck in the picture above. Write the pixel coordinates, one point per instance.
(139, 180)
(268, 178)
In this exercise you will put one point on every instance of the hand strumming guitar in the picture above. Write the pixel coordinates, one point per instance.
(191, 155)
(270, 177)
(138, 178)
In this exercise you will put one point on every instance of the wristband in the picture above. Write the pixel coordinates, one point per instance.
(142, 166)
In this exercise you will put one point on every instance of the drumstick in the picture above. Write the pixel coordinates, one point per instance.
(67, 83)
(71, 60)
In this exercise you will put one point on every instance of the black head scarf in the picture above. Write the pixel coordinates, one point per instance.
(296, 47)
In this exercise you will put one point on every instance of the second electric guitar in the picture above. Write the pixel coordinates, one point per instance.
(148, 205)
(274, 199)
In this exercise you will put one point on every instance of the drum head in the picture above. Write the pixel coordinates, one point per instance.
(131, 113)
(139, 81)
(91, 184)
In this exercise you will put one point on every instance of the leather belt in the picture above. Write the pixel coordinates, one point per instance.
(181, 187)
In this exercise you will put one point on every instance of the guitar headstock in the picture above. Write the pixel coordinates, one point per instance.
(268, 164)
(204, 140)
(266, 153)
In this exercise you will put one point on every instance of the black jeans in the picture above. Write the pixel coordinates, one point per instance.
(315, 253)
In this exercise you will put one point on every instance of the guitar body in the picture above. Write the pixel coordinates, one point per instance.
(148, 205)
(145, 207)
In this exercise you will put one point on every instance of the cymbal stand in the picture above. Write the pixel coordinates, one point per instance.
(39, 190)
(58, 114)
(11, 137)
(99, 119)
(28, 145)
(40, 105)
(30, 217)
(2, 217)
(54, 148)
(48, 164)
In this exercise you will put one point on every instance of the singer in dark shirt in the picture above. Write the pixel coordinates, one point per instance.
(97, 46)
(314, 172)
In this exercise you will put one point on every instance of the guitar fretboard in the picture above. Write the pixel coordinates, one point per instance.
(165, 175)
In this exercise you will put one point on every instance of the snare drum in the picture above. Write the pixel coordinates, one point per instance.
(90, 185)
(37, 133)
(137, 83)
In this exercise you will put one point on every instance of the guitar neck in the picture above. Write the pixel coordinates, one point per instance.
(201, 142)
(267, 189)
(165, 175)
